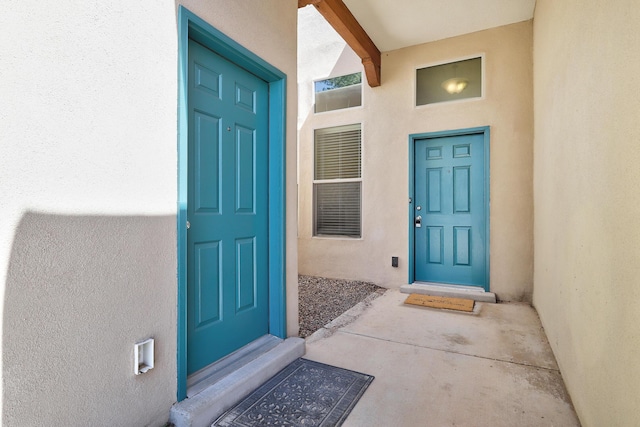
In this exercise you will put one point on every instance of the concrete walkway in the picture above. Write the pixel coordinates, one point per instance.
(492, 367)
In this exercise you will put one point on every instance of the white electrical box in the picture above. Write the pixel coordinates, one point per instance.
(143, 354)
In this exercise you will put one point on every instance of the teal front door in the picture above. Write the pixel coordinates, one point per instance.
(227, 208)
(449, 211)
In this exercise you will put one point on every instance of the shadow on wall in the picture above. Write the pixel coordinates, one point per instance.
(80, 291)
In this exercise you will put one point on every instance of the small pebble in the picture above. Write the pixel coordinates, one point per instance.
(322, 300)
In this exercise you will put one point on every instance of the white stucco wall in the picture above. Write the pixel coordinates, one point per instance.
(88, 183)
(587, 150)
(388, 116)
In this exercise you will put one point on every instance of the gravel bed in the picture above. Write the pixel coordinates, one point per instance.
(322, 300)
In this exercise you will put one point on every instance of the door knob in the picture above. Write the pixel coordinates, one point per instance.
(419, 221)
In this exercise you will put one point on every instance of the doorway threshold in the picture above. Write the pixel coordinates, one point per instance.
(218, 387)
(213, 373)
(447, 290)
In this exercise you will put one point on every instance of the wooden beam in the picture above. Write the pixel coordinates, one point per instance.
(303, 3)
(342, 20)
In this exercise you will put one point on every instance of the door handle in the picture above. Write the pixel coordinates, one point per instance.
(419, 221)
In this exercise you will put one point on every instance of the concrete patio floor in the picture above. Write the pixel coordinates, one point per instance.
(492, 367)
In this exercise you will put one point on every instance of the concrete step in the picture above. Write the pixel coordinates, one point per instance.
(454, 291)
(224, 387)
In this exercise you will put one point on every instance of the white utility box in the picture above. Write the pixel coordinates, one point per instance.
(143, 354)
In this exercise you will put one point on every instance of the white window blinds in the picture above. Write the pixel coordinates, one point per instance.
(337, 152)
(337, 186)
(338, 209)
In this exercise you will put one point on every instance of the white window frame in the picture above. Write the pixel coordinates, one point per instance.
(317, 182)
(360, 85)
(483, 77)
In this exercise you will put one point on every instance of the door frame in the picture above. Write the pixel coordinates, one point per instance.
(192, 27)
(413, 138)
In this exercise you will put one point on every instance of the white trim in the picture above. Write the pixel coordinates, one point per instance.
(345, 238)
(339, 180)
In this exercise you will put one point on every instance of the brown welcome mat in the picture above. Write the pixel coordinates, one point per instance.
(459, 304)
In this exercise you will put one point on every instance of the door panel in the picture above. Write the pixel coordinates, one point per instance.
(246, 278)
(450, 198)
(208, 284)
(207, 167)
(227, 208)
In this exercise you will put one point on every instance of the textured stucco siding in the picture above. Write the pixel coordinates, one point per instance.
(388, 117)
(587, 151)
(88, 182)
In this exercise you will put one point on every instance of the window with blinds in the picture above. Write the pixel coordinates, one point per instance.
(338, 181)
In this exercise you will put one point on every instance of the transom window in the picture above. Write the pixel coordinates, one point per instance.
(449, 82)
(338, 92)
(337, 184)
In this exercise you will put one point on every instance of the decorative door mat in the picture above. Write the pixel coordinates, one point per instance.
(460, 304)
(305, 393)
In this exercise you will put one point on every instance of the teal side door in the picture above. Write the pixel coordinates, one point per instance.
(227, 208)
(449, 210)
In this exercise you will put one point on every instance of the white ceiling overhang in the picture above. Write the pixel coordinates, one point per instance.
(394, 24)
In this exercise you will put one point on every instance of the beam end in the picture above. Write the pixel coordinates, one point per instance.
(372, 71)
